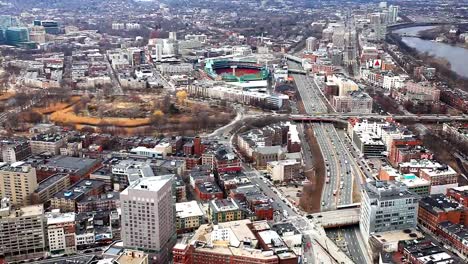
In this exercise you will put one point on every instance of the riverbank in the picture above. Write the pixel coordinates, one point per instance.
(449, 67)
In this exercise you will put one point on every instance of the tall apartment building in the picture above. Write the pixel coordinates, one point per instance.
(311, 44)
(15, 151)
(387, 206)
(148, 217)
(61, 232)
(17, 182)
(21, 231)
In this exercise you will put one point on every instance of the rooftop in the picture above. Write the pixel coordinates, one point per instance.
(438, 203)
(56, 217)
(224, 205)
(188, 209)
(50, 180)
(25, 211)
(456, 230)
(47, 137)
(132, 257)
(412, 180)
(77, 190)
(444, 170)
(73, 164)
(208, 187)
(151, 184)
(386, 190)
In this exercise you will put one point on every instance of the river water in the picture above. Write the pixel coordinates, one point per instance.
(455, 55)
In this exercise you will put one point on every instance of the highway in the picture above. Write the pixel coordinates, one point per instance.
(339, 162)
(340, 169)
(310, 94)
(351, 236)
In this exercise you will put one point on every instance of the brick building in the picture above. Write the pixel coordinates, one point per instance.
(437, 208)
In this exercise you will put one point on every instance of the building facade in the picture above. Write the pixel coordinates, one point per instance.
(17, 182)
(148, 217)
(387, 206)
(21, 232)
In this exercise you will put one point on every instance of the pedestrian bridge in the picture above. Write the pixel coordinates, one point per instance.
(336, 218)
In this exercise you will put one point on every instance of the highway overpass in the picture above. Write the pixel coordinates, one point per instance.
(296, 71)
(337, 117)
(336, 218)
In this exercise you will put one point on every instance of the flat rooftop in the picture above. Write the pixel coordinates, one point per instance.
(224, 205)
(50, 180)
(71, 163)
(26, 211)
(188, 209)
(437, 203)
(152, 184)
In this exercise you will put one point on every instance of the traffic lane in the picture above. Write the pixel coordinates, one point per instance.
(354, 249)
(273, 194)
(327, 198)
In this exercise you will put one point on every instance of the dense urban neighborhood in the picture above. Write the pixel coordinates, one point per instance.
(225, 132)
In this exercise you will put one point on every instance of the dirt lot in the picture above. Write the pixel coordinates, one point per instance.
(312, 192)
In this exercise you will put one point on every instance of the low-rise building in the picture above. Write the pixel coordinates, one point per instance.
(355, 102)
(224, 210)
(189, 216)
(47, 143)
(95, 203)
(15, 151)
(67, 200)
(441, 179)
(61, 233)
(263, 155)
(233, 242)
(50, 186)
(425, 251)
(208, 190)
(284, 170)
(438, 208)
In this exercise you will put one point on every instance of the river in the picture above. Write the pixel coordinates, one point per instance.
(457, 56)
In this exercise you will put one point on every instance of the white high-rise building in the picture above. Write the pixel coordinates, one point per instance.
(148, 218)
(311, 44)
(387, 206)
(173, 36)
(392, 14)
(378, 23)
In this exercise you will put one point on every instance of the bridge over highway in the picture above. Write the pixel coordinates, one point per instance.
(338, 117)
(336, 218)
(297, 71)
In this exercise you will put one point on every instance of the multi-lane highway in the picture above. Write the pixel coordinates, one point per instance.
(338, 189)
(342, 170)
(310, 94)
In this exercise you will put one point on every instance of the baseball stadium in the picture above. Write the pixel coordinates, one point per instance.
(235, 71)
